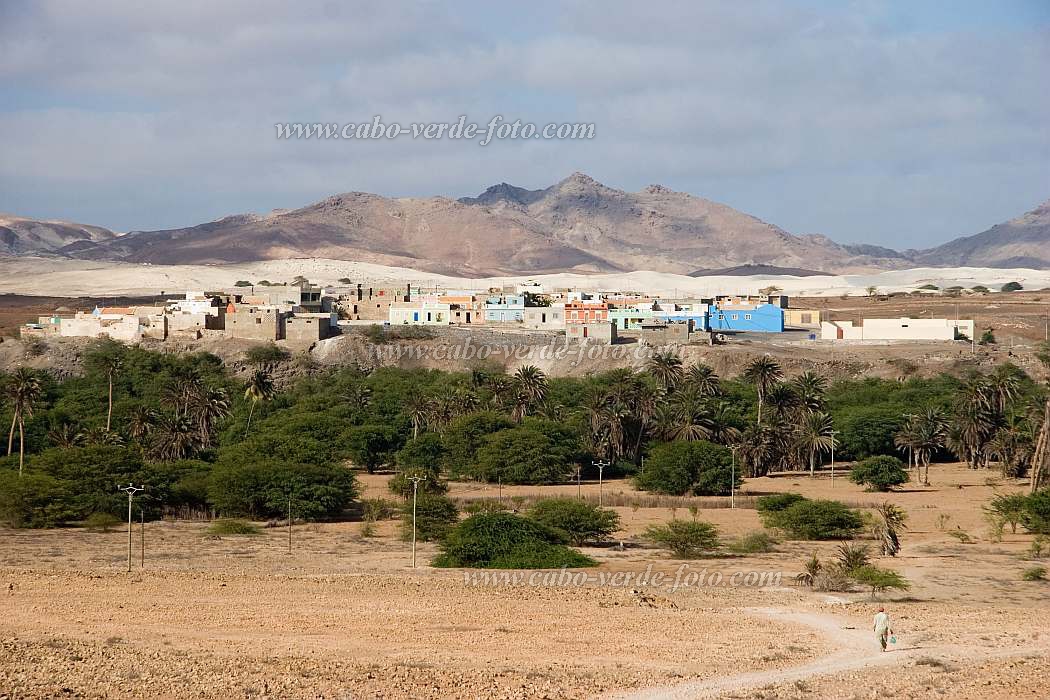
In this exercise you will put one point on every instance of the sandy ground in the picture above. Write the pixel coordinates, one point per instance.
(58, 276)
(343, 615)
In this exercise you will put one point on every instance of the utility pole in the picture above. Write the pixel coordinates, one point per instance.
(601, 464)
(142, 538)
(579, 483)
(131, 490)
(415, 491)
(289, 522)
(732, 478)
(833, 433)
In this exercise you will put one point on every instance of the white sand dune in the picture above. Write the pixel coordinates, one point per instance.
(62, 277)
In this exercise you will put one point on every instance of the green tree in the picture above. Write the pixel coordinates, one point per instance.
(880, 473)
(676, 468)
(435, 516)
(106, 357)
(505, 541)
(537, 452)
(23, 390)
(259, 388)
(815, 520)
(371, 445)
(686, 539)
(580, 521)
(666, 368)
(763, 372)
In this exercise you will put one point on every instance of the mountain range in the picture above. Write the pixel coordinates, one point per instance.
(577, 225)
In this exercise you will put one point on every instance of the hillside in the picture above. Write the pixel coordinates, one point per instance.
(577, 224)
(19, 235)
(1020, 242)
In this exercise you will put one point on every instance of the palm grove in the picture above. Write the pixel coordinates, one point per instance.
(206, 442)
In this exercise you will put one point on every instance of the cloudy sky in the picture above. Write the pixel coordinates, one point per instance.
(898, 123)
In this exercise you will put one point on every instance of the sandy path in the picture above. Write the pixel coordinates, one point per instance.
(857, 649)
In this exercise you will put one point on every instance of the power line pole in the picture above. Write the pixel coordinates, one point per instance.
(601, 464)
(142, 538)
(415, 491)
(289, 522)
(131, 490)
(732, 479)
(833, 433)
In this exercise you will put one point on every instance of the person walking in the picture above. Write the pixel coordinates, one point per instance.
(882, 627)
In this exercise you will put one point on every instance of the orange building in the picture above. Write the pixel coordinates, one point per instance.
(586, 312)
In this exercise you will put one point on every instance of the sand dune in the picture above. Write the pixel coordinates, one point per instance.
(63, 277)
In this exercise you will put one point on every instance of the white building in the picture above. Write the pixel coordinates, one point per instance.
(897, 329)
(544, 318)
(420, 313)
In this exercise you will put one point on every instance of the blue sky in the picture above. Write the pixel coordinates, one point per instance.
(896, 123)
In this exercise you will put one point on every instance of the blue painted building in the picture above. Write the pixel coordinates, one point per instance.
(505, 308)
(760, 318)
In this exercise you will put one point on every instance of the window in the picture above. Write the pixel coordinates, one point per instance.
(735, 316)
(747, 317)
(258, 320)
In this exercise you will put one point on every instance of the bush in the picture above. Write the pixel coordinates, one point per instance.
(676, 468)
(879, 579)
(247, 485)
(853, 556)
(1009, 507)
(435, 516)
(230, 526)
(832, 578)
(777, 502)
(374, 509)
(101, 522)
(1034, 573)
(1036, 515)
(757, 542)
(879, 473)
(1012, 287)
(580, 521)
(33, 500)
(507, 541)
(815, 520)
(268, 354)
(987, 338)
(685, 539)
(537, 452)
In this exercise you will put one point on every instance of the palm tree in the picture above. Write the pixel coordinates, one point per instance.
(810, 389)
(532, 385)
(815, 437)
(666, 368)
(782, 402)
(141, 422)
(23, 390)
(419, 409)
(101, 436)
(931, 428)
(207, 406)
(887, 531)
(180, 391)
(703, 378)
(763, 372)
(111, 364)
(65, 435)
(259, 388)
(175, 438)
(691, 419)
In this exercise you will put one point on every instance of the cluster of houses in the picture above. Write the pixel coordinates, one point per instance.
(269, 313)
(595, 315)
(304, 313)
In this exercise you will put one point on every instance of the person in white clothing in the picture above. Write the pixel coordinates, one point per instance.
(882, 627)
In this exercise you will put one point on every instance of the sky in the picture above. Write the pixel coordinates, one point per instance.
(903, 124)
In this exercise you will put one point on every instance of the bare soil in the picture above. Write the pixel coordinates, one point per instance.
(342, 615)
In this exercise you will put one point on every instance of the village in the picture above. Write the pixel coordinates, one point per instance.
(301, 313)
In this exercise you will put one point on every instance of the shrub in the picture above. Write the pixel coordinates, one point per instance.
(1012, 287)
(777, 502)
(246, 485)
(1034, 573)
(1009, 507)
(242, 283)
(375, 509)
(435, 515)
(676, 468)
(756, 542)
(987, 338)
(685, 539)
(266, 354)
(580, 521)
(536, 452)
(853, 556)
(33, 500)
(832, 578)
(230, 526)
(1036, 515)
(879, 579)
(101, 522)
(815, 520)
(507, 541)
(879, 473)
